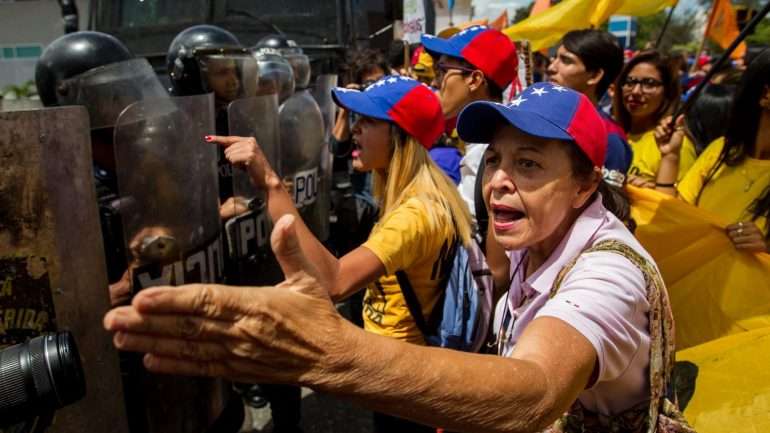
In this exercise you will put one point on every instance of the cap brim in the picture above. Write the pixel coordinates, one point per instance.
(437, 46)
(358, 102)
(478, 121)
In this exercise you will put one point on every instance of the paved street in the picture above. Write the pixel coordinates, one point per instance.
(320, 414)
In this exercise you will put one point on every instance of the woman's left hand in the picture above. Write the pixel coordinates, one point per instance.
(746, 236)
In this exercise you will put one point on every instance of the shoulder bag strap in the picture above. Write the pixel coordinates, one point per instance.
(661, 322)
(412, 302)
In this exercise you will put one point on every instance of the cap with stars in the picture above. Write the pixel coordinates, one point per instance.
(406, 102)
(543, 110)
(485, 48)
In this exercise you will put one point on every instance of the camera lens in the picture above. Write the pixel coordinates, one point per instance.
(41, 375)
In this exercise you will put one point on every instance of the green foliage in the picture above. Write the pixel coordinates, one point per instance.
(761, 35)
(678, 33)
(22, 91)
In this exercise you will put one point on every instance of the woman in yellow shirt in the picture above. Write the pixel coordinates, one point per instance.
(422, 216)
(732, 176)
(648, 90)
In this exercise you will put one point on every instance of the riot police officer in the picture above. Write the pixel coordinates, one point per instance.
(304, 155)
(130, 115)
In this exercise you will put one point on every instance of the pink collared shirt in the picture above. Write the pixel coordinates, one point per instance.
(603, 297)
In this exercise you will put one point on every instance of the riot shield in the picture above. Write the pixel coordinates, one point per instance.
(229, 76)
(108, 89)
(52, 273)
(303, 160)
(248, 227)
(168, 181)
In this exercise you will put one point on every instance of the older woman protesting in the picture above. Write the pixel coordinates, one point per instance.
(584, 327)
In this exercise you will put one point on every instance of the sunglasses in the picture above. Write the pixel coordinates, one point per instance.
(442, 69)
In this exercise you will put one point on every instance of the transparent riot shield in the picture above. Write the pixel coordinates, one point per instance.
(229, 76)
(303, 160)
(322, 93)
(168, 182)
(108, 89)
(52, 273)
(248, 226)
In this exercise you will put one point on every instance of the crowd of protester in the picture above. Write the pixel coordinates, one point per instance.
(464, 152)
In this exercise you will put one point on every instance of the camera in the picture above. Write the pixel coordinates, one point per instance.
(38, 377)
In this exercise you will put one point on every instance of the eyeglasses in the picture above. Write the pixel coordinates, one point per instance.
(443, 68)
(648, 85)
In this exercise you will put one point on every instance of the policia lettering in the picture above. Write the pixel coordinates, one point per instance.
(26, 304)
(205, 265)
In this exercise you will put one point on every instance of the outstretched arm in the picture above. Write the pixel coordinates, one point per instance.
(292, 334)
(348, 274)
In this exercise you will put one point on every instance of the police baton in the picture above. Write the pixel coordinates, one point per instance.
(684, 108)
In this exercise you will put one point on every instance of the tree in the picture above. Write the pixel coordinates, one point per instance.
(522, 13)
(678, 33)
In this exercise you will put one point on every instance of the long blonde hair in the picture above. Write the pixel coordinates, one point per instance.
(412, 172)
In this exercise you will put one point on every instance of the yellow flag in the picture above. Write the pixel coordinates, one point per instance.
(642, 8)
(715, 290)
(722, 27)
(603, 10)
(547, 28)
(725, 383)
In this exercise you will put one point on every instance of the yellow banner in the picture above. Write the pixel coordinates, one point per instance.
(545, 28)
(715, 290)
(726, 383)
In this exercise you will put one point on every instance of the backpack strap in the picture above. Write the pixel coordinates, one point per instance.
(482, 217)
(661, 321)
(412, 302)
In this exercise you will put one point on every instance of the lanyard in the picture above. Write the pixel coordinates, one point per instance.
(507, 316)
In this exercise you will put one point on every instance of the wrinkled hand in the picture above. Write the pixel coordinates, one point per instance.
(283, 334)
(245, 152)
(746, 236)
(640, 182)
(670, 137)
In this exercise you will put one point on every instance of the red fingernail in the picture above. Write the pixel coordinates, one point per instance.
(208, 138)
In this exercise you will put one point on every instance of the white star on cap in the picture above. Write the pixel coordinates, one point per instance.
(559, 88)
(539, 91)
(518, 101)
(392, 80)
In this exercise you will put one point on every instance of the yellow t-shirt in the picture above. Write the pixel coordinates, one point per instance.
(646, 159)
(732, 190)
(404, 240)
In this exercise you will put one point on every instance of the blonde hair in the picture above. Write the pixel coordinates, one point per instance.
(412, 173)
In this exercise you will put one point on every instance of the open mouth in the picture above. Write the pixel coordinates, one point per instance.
(356, 151)
(506, 217)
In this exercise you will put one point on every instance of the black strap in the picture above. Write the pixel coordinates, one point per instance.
(412, 302)
(482, 217)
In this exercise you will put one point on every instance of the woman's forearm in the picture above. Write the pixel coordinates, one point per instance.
(444, 388)
(279, 203)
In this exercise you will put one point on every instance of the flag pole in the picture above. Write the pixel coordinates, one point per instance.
(722, 60)
(665, 26)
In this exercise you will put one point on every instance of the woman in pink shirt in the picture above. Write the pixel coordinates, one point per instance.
(572, 333)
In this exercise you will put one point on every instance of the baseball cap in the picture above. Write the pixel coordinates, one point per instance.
(542, 110)
(404, 101)
(489, 50)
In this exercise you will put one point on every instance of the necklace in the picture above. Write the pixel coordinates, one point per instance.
(500, 336)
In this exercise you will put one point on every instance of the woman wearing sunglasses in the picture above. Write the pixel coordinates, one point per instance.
(647, 90)
(421, 212)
